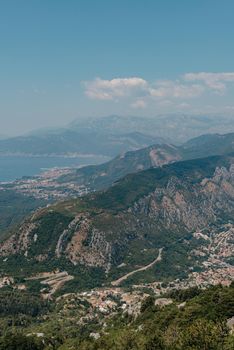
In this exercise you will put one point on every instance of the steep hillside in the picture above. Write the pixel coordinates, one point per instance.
(208, 145)
(149, 218)
(107, 319)
(104, 175)
(76, 182)
(14, 207)
(32, 193)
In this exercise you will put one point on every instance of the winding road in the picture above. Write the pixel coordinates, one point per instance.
(123, 278)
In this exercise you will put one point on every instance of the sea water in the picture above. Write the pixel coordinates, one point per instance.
(15, 167)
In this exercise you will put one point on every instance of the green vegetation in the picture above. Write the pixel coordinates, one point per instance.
(208, 145)
(19, 309)
(199, 323)
(133, 219)
(48, 231)
(20, 342)
(134, 186)
(14, 207)
(14, 302)
(97, 177)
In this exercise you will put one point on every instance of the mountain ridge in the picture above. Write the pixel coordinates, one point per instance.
(76, 182)
(104, 175)
(128, 224)
(104, 132)
(77, 142)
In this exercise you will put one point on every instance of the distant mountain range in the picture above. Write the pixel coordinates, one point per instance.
(115, 134)
(74, 142)
(175, 128)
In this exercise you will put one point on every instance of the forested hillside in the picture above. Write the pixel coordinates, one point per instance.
(194, 319)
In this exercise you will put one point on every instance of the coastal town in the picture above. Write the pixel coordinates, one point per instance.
(46, 186)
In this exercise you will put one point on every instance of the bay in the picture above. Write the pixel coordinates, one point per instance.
(15, 167)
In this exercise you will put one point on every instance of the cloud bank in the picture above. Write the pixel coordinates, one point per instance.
(140, 91)
(109, 89)
(214, 81)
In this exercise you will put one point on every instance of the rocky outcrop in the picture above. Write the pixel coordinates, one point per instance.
(20, 241)
(88, 245)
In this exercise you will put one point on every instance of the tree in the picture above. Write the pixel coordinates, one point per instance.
(20, 342)
(205, 335)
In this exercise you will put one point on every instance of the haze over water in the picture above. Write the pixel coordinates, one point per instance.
(15, 167)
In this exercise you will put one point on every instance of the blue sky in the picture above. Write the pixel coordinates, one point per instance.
(66, 59)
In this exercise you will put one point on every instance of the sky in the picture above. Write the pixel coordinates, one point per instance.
(62, 60)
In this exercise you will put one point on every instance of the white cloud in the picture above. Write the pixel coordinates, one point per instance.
(138, 104)
(101, 89)
(139, 92)
(176, 89)
(119, 87)
(214, 81)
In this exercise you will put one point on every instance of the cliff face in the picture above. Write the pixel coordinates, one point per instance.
(158, 208)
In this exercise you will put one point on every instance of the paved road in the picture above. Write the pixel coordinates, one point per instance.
(121, 279)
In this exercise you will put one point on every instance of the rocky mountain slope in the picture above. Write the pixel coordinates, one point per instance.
(102, 176)
(103, 236)
(73, 182)
(76, 182)
(208, 145)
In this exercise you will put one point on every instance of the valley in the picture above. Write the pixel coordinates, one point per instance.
(104, 241)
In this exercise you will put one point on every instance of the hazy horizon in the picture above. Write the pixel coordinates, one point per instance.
(60, 127)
